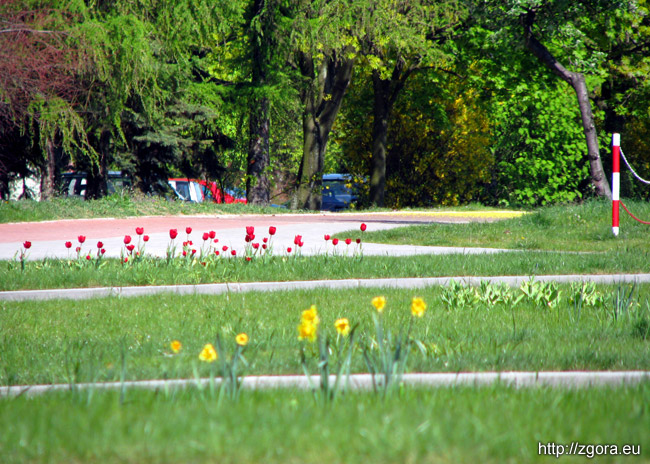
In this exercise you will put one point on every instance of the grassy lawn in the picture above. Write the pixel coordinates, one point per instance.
(65, 274)
(463, 329)
(107, 339)
(585, 227)
(118, 206)
(456, 425)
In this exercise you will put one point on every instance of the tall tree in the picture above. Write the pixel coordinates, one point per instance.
(327, 51)
(398, 39)
(551, 31)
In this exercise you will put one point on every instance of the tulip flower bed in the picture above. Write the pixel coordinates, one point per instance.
(191, 260)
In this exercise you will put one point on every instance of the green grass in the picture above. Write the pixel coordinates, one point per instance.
(448, 425)
(64, 341)
(585, 227)
(63, 274)
(118, 206)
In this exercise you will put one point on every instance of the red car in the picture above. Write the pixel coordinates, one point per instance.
(198, 191)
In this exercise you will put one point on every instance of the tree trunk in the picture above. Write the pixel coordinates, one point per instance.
(322, 98)
(258, 186)
(577, 82)
(381, 113)
(97, 180)
(49, 176)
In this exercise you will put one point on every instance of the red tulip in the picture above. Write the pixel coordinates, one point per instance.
(139, 230)
(145, 238)
(265, 239)
(272, 230)
(206, 236)
(233, 252)
(250, 230)
(127, 239)
(358, 241)
(363, 227)
(297, 239)
(130, 247)
(68, 244)
(225, 248)
(327, 237)
(264, 246)
(173, 233)
(301, 243)
(27, 244)
(188, 230)
(126, 260)
(88, 257)
(335, 241)
(348, 241)
(216, 252)
(81, 238)
(248, 238)
(184, 253)
(248, 258)
(193, 251)
(256, 245)
(212, 234)
(100, 245)
(216, 240)
(102, 251)
(289, 250)
(78, 249)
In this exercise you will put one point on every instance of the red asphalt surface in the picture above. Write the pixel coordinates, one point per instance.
(69, 229)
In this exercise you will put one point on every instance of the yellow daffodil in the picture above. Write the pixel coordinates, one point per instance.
(379, 302)
(242, 339)
(307, 330)
(176, 346)
(310, 315)
(418, 306)
(208, 353)
(342, 326)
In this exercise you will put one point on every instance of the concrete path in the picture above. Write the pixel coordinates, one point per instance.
(217, 289)
(48, 238)
(563, 379)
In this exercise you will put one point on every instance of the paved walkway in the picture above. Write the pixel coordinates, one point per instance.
(563, 379)
(48, 238)
(217, 289)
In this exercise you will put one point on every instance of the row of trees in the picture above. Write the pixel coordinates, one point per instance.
(432, 101)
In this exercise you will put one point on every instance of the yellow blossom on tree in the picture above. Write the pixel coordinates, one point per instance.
(418, 306)
(208, 353)
(176, 346)
(242, 339)
(342, 326)
(379, 302)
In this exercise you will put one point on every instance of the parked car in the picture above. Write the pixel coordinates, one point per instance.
(339, 192)
(198, 191)
(74, 183)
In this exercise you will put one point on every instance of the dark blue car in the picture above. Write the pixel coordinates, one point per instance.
(337, 193)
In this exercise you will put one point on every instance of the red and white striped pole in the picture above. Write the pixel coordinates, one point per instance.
(616, 180)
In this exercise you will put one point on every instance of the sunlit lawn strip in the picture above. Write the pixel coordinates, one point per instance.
(119, 206)
(61, 274)
(111, 338)
(585, 227)
(460, 425)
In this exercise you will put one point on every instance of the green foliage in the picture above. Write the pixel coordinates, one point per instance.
(438, 149)
(538, 147)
